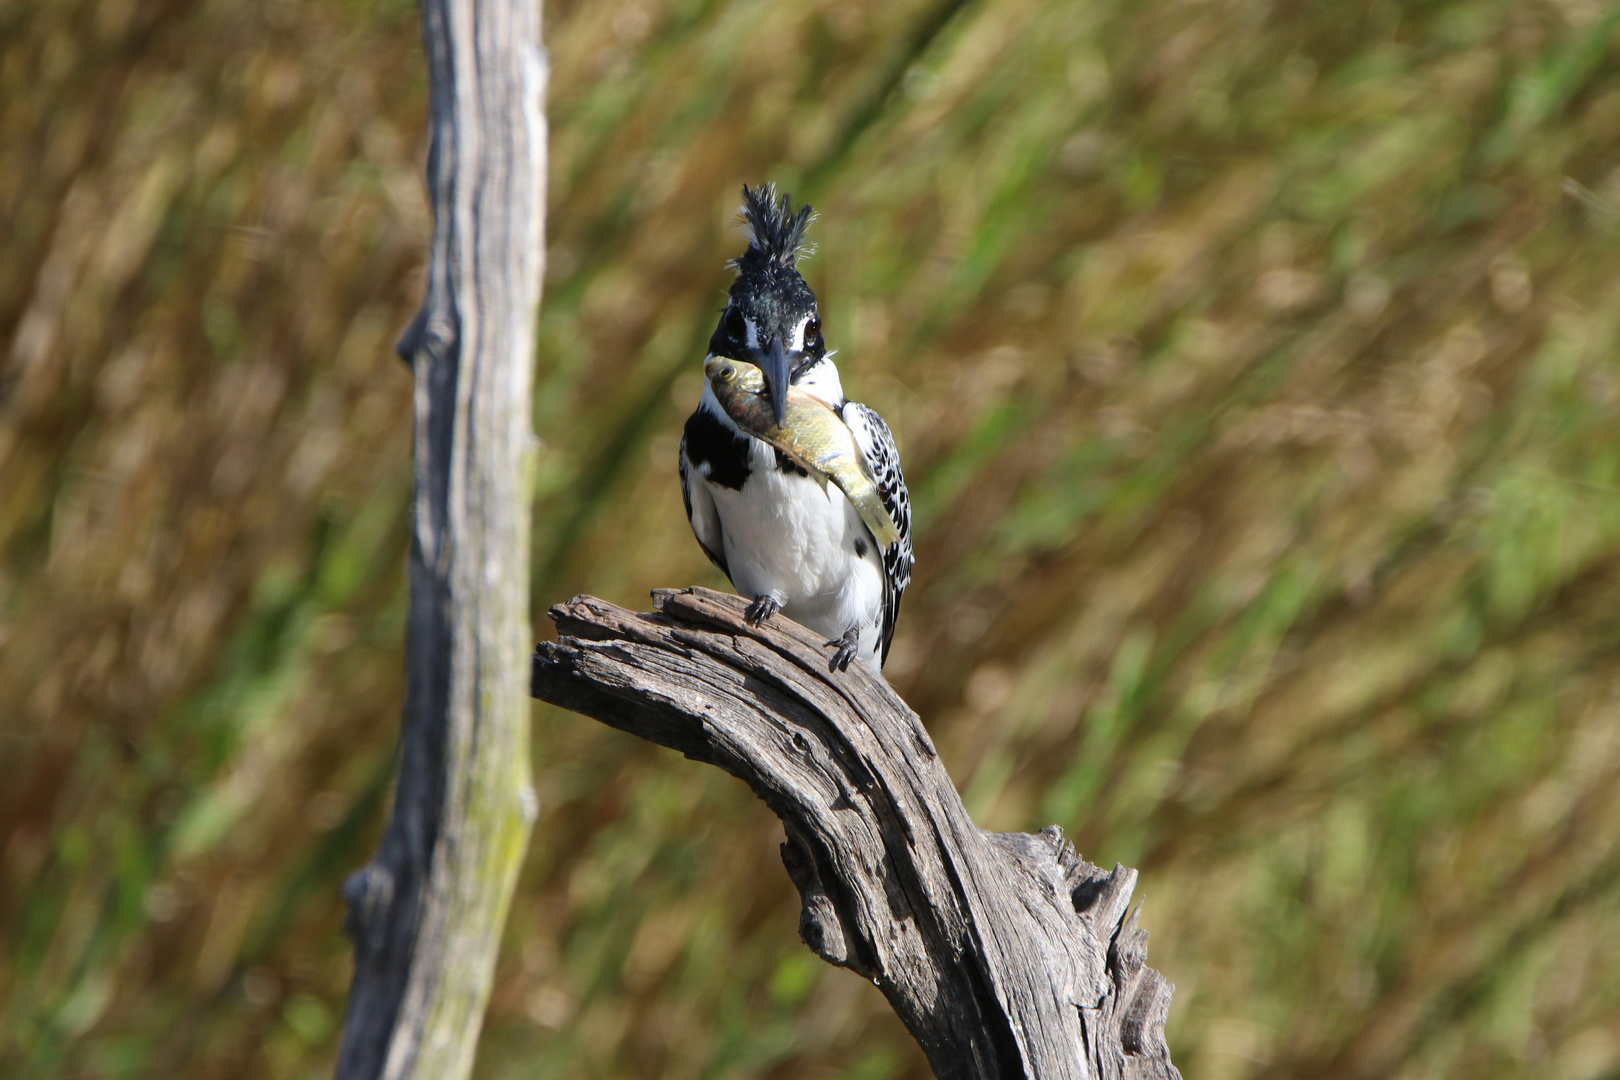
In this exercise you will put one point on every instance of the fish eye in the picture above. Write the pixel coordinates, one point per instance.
(736, 325)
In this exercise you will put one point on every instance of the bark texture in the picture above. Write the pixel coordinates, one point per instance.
(1005, 954)
(426, 913)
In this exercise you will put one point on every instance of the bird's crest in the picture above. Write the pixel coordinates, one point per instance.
(775, 229)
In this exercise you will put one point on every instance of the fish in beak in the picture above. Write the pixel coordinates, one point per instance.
(814, 437)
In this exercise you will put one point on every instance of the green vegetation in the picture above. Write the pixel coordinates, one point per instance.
(1255, 367)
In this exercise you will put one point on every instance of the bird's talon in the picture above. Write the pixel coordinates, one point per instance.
(848, 647)
(761, 609)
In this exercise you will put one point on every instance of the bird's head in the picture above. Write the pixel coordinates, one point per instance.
(771, 319)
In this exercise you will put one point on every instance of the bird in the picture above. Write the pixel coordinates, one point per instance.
(789, 544)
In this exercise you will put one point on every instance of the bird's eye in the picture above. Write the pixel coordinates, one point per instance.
(736, 325)
(812, 329)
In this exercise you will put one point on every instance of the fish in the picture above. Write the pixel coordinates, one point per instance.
(812, 435)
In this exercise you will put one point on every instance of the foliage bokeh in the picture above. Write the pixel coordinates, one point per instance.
(1254, 364)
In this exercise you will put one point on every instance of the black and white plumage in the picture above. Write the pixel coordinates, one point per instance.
(785, 542)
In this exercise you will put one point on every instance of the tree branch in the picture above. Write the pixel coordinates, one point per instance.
(1005, 954)
(426, 913)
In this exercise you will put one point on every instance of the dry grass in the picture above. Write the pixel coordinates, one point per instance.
(1255, 370)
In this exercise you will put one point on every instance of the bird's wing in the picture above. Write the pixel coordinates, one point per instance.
(883, 457)
(702, 514)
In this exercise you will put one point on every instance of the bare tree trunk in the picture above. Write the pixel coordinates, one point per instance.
(1005, 954)
(426, 913)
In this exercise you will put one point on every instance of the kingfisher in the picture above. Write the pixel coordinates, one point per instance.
(788, 543)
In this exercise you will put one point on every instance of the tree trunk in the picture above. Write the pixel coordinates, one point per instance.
(426, 913)
(1006, 955)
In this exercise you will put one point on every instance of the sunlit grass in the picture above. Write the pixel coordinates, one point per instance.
(1255, 372)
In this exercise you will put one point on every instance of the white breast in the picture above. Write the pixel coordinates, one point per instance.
(786, 537)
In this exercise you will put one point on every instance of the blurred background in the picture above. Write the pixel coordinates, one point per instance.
(1254, 363)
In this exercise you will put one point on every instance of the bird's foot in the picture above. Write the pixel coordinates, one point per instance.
(761, 609)
(849, 646)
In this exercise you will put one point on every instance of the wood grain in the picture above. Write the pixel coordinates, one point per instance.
(1005, 954)
(426, 913)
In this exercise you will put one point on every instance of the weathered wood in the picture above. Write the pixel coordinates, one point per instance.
(1005, 954)
(426, 913)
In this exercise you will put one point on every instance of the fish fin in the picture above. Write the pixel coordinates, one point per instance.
(877, 519)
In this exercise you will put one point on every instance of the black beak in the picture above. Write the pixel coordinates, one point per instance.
(773, 361)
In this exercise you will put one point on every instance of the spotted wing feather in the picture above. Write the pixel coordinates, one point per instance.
(877, 444)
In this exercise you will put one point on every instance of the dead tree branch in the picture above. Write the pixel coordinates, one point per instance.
(1005, 954)
(426, 913)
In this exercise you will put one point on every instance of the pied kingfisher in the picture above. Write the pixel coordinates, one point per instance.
(785, 543)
